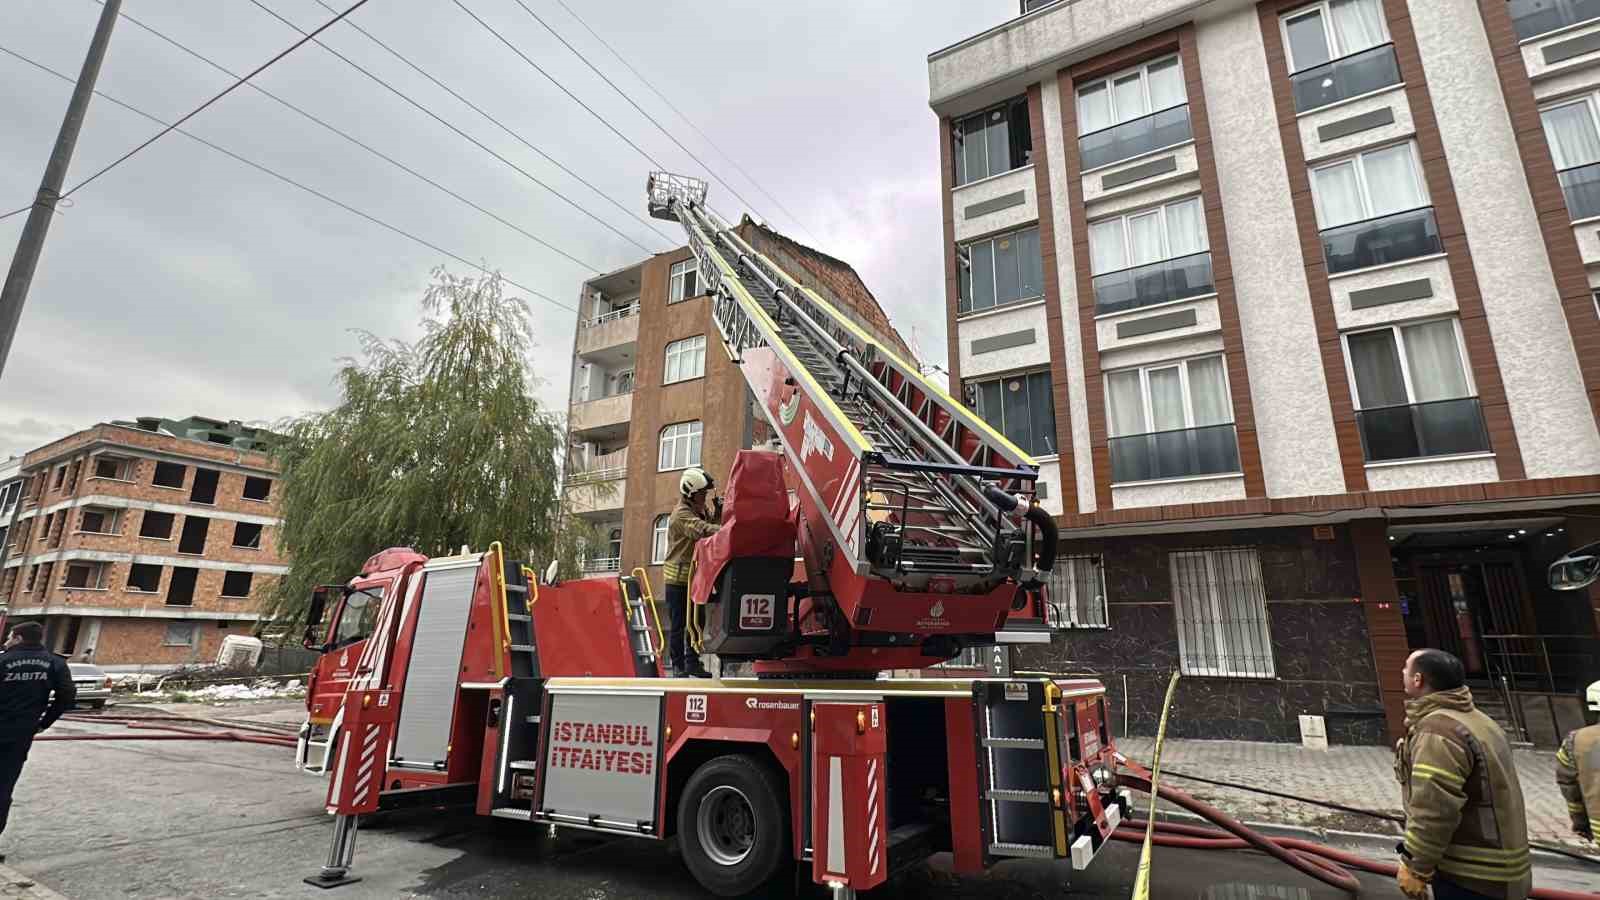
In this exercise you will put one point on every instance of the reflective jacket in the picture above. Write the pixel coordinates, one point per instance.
(29, 676)
(684, 528)
(1578, 776)
(1463, 803)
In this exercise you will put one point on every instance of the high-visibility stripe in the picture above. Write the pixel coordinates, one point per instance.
(1487, 855)
(1563, 758)
(1417, 842)
(1576, 807)
(1436, 772)
(1486, 873)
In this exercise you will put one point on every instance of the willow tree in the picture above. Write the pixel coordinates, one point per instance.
(434, 445)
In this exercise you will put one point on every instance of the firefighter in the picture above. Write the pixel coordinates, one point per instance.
(1578, 772)
(690, 521)
(1466, 831)
(29, 675)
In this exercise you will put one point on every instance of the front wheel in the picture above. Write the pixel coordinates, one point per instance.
(733, 825)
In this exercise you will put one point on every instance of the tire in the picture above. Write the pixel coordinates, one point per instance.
(97, 704)
(733, 826)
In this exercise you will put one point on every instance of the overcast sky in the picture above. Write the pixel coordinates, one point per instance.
(185, 282)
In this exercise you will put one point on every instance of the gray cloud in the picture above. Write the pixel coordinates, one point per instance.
(184, 282)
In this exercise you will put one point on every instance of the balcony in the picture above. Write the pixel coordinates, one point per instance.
(1436, 428)
(1181, 453)
(599, 486)
(1158, 282)
(1386, 239)
(1135, 137)
(1346, 77)
(1532, 18)
(1581, 186)
(608, 414)
(602, 565)
(612, 329)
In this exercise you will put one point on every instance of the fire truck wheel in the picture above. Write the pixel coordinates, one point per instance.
(733, 825)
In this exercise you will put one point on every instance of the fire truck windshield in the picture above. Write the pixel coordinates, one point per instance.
(356, 617)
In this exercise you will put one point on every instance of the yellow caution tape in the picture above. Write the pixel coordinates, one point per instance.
(1141, 882)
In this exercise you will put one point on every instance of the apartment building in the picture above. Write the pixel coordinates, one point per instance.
(141, 544)
(653, 392)
(1294, 301)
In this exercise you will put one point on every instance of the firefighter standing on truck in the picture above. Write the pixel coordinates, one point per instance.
(1578, 772)
(690, 521)
(1466, 830)
(29, 676)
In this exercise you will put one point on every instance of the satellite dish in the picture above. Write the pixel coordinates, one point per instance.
(550, 572)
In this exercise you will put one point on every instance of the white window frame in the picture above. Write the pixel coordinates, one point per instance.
(1396, 329)
(1062, 612)
(658, 539)
(1166, 233)
(1330, 39)
(1590, 102)
(1147, 408)
(1220, 630)
(676, 352)
(964, 257)
(1143, 70)
(1359, 160)
(688, 434)
(677, 280)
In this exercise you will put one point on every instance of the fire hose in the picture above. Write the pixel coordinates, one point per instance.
(145, 730)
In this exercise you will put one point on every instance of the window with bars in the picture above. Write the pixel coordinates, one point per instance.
(1220, 604)
(1077, 593)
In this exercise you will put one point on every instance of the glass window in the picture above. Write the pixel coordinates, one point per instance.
(658, 540)
(1368, 185)
(1140, 238)
(1570, 131)
(685, 359)
(1405, 364)
(680, 446)
(1021, 407)
(1125, 96)
(681, 284)
(1191, 393)
(1077, 593)
(179, 634)
(1532, 18)
(992, 142)
(1001, 270)
(1220, 604)
(1327, 31)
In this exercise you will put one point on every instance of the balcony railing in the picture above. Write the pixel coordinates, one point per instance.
(1185, 452)
(1135, 137)
(602, 565)
(1532, 18)
(1581, 186)
(1158, 282)
(1436, 428)
(1386, 239)
(1346, 77)
(601, 468)
(612, 316)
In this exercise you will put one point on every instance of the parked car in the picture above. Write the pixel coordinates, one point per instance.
(93, 684)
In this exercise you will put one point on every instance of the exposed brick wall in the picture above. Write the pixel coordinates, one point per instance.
(125, 642)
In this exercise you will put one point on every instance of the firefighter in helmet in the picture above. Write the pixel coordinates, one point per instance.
(1578, 772)
(691, 520)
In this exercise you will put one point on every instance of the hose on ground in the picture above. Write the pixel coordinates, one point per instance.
(145, 730)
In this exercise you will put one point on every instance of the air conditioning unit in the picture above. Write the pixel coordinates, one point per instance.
(239, 651)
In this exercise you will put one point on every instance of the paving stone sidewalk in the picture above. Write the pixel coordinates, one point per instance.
(1359, 777)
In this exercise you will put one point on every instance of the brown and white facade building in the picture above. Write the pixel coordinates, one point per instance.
(140, 545)
(1294, 300)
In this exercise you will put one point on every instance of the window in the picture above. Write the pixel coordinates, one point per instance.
(1029, 6)
(1001, 270)
(169, 475)
(61, 476)
(100, 520)
(1323, 32)
(680, 446)
(257, 488)
(1569, 129)
(658, 539)
(1414, 391)
(44, 532)
(1131, 95)
(681, 285)
(193, 538)
(1171, 420)
(144, 578)
(686, 359)
(1077, 593)
(992, 141)
(1532, 18)
(119, 468)
(86, 576)
(179, 634)
(1147, 236)
(205, 486)
(156, 525)
(1020, 407)
(247, 534)
(1369, 185)
(236, 584)
(180, 587)
(1221, 610)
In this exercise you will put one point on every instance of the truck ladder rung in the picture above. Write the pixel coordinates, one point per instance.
(519, 617)
(1018, 796)
(523, 765)
(508, 812)
(522, 648)
(1037, 851)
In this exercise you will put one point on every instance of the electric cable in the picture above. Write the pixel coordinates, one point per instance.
(442, 121)
(375, 151)
(287, 180)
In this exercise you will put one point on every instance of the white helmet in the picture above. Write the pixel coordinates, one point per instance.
(694, 480)
(1594, 697)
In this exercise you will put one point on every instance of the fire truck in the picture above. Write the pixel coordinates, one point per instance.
(912, 533)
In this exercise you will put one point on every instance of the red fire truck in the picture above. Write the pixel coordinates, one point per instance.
(465, 678)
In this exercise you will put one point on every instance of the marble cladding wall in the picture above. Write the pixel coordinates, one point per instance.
(1320, 646)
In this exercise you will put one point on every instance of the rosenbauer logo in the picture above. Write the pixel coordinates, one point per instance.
(815, 440)
(756, 703)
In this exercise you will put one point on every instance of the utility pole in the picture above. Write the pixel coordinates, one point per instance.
(31, 243)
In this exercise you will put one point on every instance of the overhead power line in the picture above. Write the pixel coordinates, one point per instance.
(218, 96)
(442, 121)
(680, 113)
(506, 128)
(290, 181)
(373, 150)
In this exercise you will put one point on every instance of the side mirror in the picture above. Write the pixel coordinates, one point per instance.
(320, 596)
(1576, 570)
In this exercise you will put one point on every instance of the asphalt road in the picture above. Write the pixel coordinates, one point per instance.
(221, 820)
